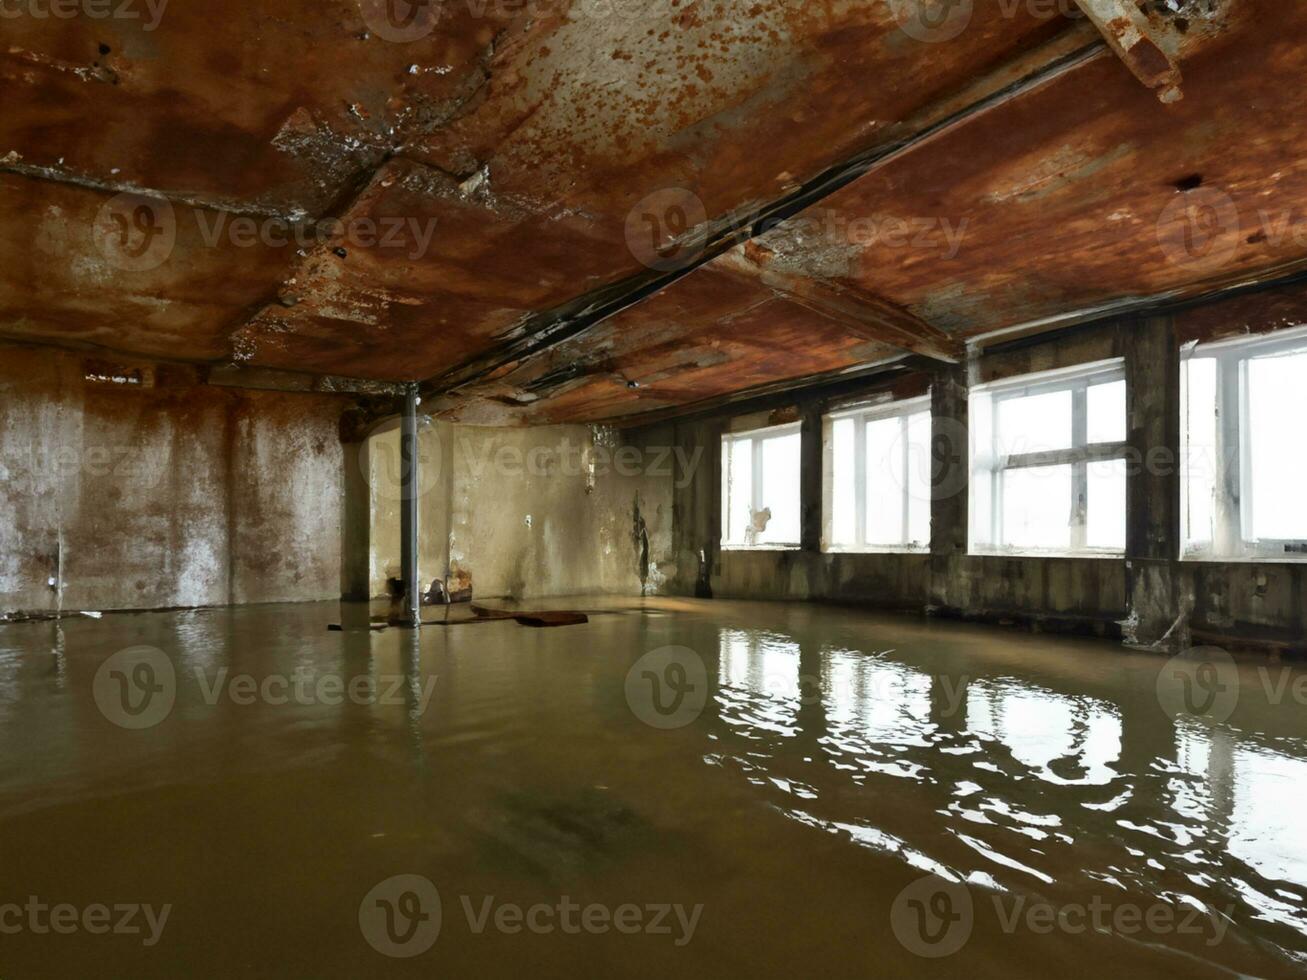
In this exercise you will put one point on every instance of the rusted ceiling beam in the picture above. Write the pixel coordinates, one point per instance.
(1171, 301)
(1079, 45)
(869, 316)
(1133, 38)
(777, 393)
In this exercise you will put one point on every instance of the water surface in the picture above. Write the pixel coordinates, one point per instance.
(846, 770)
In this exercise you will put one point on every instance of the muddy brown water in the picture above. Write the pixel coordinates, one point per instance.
(678, 788)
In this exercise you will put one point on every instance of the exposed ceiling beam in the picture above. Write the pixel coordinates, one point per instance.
(1132, 36)
(1075, 47)
(1171, 301)
(867, 315)
(854, 379)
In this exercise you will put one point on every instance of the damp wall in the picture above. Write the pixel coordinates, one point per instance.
(148, 489)
(528, 512)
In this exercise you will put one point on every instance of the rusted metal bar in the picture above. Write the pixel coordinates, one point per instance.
(869, 316)
(1133, 38)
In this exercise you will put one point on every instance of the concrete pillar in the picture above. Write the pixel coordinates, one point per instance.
(410, 498)
(697, 518)
(1153, 483)
(810, 479)
(950, 452)
(356, 524)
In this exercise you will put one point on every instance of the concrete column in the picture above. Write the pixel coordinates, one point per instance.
(410, 498)
(950, 452)
(697, 518)
(356, 524)
(810, 479)
(1153, 483)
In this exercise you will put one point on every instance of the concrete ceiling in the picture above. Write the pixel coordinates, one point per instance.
(485, 195)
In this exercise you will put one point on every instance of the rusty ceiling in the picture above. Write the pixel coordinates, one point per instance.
(551, 210)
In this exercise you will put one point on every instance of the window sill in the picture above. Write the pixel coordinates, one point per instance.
(1098, 555)
(761, 547)
(1289, 559)
(875, 551)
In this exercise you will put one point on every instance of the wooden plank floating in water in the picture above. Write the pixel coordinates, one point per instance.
(538, 619)
(561, 618)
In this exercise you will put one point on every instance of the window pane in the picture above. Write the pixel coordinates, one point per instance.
(885, 482)
(739, 489)
(780, 491)
(844, 490)
(919, 475)
(1277, 406)
(1107, 412)
(1034, 424)
(1037, 508)
(1105, 523)
(1198, 443)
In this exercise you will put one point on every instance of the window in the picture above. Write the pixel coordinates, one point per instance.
(1049, 463)
(760, 488)
(1243, 468)
(878, 478)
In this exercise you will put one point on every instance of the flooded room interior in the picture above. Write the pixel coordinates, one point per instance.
(653, 488)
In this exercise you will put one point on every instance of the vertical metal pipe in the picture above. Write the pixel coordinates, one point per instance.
(408, 520)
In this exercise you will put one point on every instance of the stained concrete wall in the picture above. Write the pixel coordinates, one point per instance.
(1139, 597)
(545, 511)
(160, 494)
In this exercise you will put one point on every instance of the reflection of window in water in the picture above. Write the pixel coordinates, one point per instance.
(1041, 729)
(1191, 798)
(1266, 826)
(1246, 802)
(883, 700)
(761, 663)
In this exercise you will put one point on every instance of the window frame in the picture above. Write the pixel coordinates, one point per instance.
(1233, 504)
(758, 436)
(862, 414)
(988, 466)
